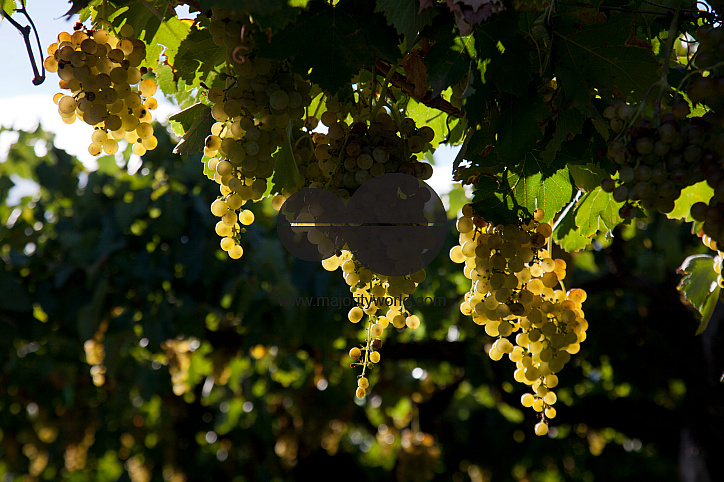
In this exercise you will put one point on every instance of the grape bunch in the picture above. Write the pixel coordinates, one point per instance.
(514, 291)
(251, 114)
(709, 57)
(657, 161)
(342, 161)
(350, 155)
(374, 293)
(107, 87)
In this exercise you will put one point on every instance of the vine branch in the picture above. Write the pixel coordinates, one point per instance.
(400, 81)
(38, 77)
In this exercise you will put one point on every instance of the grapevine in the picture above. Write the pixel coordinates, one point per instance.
(317, 122)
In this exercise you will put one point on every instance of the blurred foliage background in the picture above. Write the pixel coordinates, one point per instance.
(132, 348)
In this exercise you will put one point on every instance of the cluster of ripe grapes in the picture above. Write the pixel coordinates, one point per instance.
(106, 87)
(517, 291)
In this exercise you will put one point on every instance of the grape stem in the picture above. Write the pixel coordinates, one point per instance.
(383, 92)
(25, 32)
(367, 348)
(339, 159)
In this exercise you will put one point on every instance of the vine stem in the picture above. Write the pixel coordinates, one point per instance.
(367, 349)
(38, 78)
(383, 92)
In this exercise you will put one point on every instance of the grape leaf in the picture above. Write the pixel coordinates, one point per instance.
(597, 211)
(7, 6)
(353, 36)
(549, 190)
(198, 58)
(402, 14)
(493, 201)
(448, 59)
(698, 192)
(498, 41)
(267, 14)
(144, 18)
(196, 122)
(699, 286)
(286, 171)
(168, 38)
(576, 92)
(538, 186)
(566, 234)
(252, 7)
(519, 129)
(587, 176)
(440, 122)
(568, 125)
(600, 55)
(164, 80)
(594, 212)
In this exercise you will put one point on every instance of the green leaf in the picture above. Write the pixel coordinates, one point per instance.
(353, 37)
(566, 234)
(143, 18)
(198, 58)
(594, 212)
(575, 90)
(599, 54)
(519, 129)
(168, 39)
(456, 198)
(587, 176)
(692, 194)
(448, 60)
(477, 150)
(568, 125)
(252, 7)
(699, 286)
(499, 41)
(493, 201)
(267, 14)
(538, 186)
(165, 80)
(439, 121)
(597, 211)
(402, 14)
(7, 6)
(196, 122)
(286, 172)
